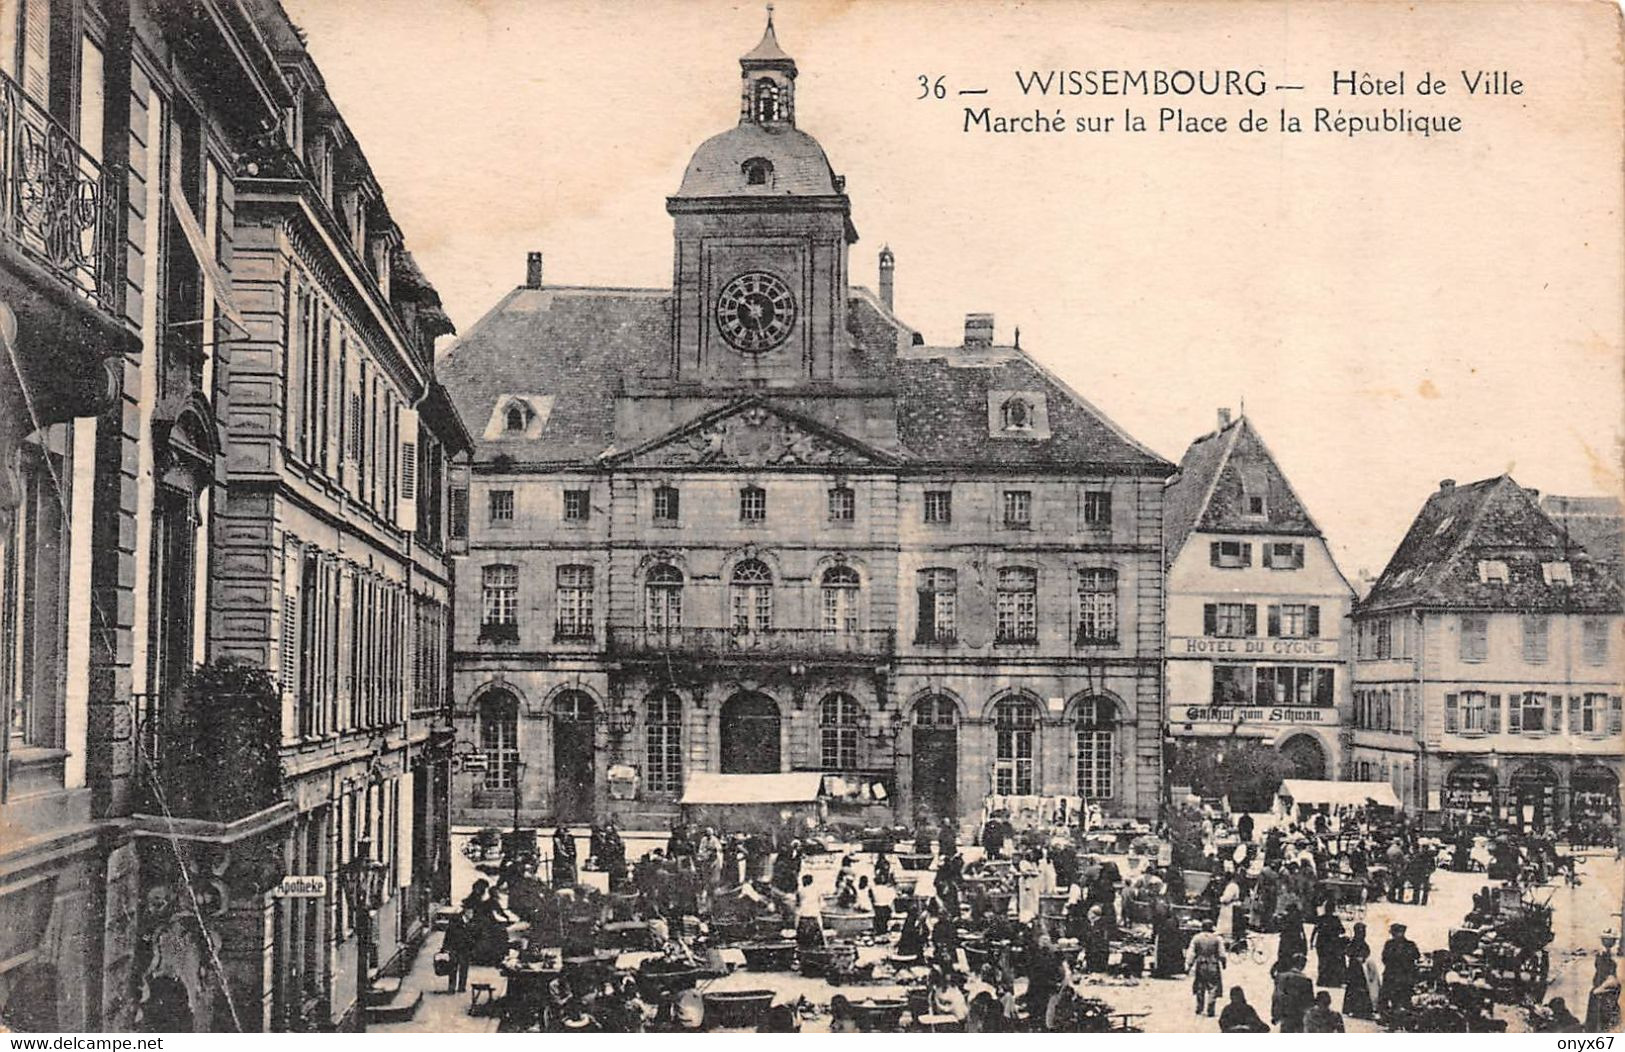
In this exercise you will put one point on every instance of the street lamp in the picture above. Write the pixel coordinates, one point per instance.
(363, 880)
(518, 781)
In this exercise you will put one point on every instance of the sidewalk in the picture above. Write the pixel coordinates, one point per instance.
(442, 1012)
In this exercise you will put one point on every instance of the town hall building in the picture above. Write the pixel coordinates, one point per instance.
(754, 523)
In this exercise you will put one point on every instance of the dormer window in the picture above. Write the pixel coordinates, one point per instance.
(758, 171)
(518, 417)
(1492, 571)
(1557, 572)
(1016, 415)
(767, 101)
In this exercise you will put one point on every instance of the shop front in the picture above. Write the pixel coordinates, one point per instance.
(1469, 793)
(1594, 805)
(1532, 799)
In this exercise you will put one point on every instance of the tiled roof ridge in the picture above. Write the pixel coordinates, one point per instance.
(1286, 480)
(1234, 428)
(1084, 403)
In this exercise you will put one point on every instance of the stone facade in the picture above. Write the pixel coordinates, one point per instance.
(145, 508)
(755, 523)
(1487, 666)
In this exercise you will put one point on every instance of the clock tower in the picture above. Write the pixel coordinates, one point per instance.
(759, 284)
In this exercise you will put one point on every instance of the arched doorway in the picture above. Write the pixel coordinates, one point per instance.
(936, 759)
(573, 713)
(1306, 755)
(750, 734)
(1470, 791)
(1533, 794)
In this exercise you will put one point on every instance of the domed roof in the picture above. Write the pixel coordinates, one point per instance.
(799, 167)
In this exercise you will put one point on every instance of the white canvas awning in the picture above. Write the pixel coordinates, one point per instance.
(1345, 794)
(797, 787)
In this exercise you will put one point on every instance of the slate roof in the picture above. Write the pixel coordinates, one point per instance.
(767, 50)
(1596, 522)
(1206, 495)
(577, 344)
(800, 166)
(1436, 566)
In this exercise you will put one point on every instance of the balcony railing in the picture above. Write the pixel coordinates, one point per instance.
(56, 202)
(770, 644)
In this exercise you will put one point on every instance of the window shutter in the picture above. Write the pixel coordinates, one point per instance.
(1614, 715)
(406, 835)
(1575, 722)
(1269, 555)
(1514, 714)
(1251, 616)
(1274, 620)
(1492, 717)
(1264, 686)
(1450, 717)
(672, 497)
(1214, 553)
(36, 76)
(1313, 627)
(1554, 712)
(1323, 686)
(1247, 554)
(1210, 619)
(1297, 556)
(926, 626)
(406, 503)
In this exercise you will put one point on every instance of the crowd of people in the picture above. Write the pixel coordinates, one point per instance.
(1017, 935)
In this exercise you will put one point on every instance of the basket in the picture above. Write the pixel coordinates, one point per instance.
(831, 962)
(736, 1009)
(881, 1014)
(849, 922)
(442, 963)
(777, 956)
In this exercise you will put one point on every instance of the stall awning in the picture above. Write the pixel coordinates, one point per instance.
(793, 788)
(1346, 794)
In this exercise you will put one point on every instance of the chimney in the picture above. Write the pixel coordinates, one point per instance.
(1534, 494)
(888, 266)
(1446, 485)
(533, 270)
(1224, 418)
(978, 330)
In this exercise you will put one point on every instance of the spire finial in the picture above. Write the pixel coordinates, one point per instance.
(770, 16)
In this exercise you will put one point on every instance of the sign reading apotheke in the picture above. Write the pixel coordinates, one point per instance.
(301, 887)
(1205, 646)
(1232, 714)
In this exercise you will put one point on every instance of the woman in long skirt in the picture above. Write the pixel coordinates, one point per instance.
(1357, 976)
(1329, 948)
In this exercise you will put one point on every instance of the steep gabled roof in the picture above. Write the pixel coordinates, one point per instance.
(1217, 473)
(1495, 519)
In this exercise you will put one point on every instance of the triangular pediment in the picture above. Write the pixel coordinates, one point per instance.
(753, 434)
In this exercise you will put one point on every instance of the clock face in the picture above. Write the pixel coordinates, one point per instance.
(755, 311)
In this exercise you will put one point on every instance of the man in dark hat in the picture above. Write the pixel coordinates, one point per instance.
(1294, 994)
(1399, 962)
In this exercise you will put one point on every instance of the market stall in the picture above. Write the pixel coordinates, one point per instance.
(754, 803)
(1300, 798)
